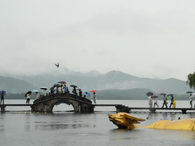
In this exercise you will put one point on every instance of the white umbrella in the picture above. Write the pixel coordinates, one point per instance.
(43, 88)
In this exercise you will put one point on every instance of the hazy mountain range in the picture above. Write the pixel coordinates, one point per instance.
(113, 80)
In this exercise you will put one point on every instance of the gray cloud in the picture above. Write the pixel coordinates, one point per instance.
(142, 38)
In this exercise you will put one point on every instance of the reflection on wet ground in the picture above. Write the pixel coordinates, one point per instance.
(60, 126)
(64, 128)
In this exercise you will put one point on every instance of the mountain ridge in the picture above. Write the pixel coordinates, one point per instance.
(113, 80)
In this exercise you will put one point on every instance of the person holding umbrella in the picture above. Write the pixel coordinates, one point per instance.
(28, 97)
(155, 100)
(172, 99)
(150, 94)
(94, 95)
(164, 100)
(2, 96)
(36, 94)
(74, 92)
(87, 94)
(150, 101)
(65, 89)
(44, 90)
(191, 96)
(80, 92)
(60, 90)
(190, 99)
(174, 103)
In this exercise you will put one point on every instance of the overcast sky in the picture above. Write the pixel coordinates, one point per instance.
(144, 38)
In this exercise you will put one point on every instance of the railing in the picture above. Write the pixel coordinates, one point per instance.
(62, 96)
(126, 108)
(183, 110)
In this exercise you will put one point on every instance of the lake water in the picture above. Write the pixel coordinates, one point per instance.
(20, 127)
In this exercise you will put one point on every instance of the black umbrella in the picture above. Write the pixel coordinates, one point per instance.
(52, 88)
(170, 94)
(189, 92)
(149, 94)
(74, 86)
(154, 96)
(164, 94)
(55, 85)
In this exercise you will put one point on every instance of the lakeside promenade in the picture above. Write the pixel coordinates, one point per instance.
(126, 109)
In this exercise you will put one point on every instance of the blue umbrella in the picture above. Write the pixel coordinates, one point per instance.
(55, 85)
(3, 91)
(35, 90)
(87, 93)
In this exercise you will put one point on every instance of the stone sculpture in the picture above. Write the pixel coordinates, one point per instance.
(127, 121)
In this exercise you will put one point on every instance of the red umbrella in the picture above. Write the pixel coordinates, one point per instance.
(62, 82)
(93, 91)
(29, 92)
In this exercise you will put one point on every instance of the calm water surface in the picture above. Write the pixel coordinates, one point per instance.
(20, 127)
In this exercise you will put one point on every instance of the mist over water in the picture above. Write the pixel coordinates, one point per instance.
(20, 127)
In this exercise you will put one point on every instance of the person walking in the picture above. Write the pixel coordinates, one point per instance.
(2, 97)
(28, 98)
(190, 99)
(150, 101)
(60, 89)
(80, 93)
(55, 90)
(74, 92)
(174, 103)
(94, 97)
(172, 98)
(155, 101)
(65, 88)
(164, 101)
(86, 95)
(44, 92)
(36, 95)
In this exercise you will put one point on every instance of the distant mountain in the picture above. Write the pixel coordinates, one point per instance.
(15, 85)
(113, 80)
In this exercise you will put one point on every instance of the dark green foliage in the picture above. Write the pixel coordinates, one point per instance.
(133, 94)
(191, 80)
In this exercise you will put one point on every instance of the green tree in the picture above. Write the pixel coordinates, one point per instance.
(191, 80)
